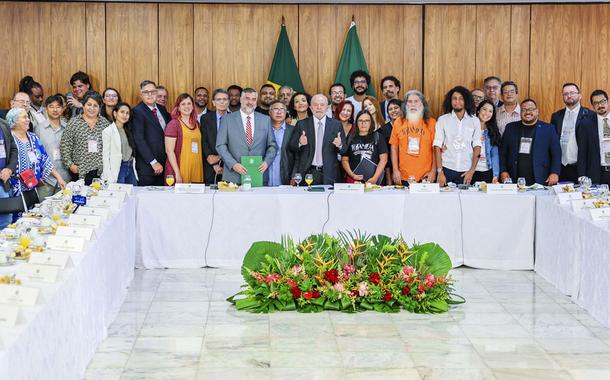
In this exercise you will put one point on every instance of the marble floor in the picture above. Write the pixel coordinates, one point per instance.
(176, 324)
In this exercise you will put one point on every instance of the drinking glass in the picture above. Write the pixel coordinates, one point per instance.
(521, 183)
(508, 180)
(603, 188)
(169, 179)
(309, 180)
(297, 178)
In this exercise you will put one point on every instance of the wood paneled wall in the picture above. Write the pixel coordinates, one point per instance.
(182, 46)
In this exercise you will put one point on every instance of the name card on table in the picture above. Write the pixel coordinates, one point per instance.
(349, 188)
(83, 232)
(126, 188)
(580, 204)
(562, 188)
(501, 188)
(40, 273)
(109, 202)
(18, 295)
(54, 259)
(90, 221)
(189, 188)
(565, 198)
(66, 243)
(8, 315)
(112, 194)
(424, 188)
(103, 213)
(600, 214)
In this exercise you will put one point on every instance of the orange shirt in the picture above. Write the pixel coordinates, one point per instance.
(414, 143)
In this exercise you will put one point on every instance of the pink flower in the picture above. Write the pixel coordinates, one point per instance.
(296, 269)
(291, 283)
(421, 288)
(430, 280)
(348, 270)
(258, 277)
(408, 270)
(273, 277)
(339, 287)
(363, 289)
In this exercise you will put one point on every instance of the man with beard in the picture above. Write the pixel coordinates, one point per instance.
(80, 83)
(245, 133)
(569, 122)
(457, 140)
(266, 98)
(530, 149)
(201, 101)
(594, 144)
(359, 80)
(337, 95)
(390, 88)
(411, 141)
(284, 94)
(234, 97)
(477, 97)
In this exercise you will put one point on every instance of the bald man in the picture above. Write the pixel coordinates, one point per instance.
(317, 141)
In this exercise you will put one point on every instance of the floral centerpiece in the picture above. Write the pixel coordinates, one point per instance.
(349, 272)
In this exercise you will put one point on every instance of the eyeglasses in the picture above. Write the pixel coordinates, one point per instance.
(492, 87)
(524, 110)
(21, 101)
(571, 93)
(277, 110)
(507, 92)
(600, 103)
(333, 93)
(364, 121)
(476, 97)
(149, 93)
(363, 81)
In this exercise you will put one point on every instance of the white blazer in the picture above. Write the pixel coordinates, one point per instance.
(111, 154)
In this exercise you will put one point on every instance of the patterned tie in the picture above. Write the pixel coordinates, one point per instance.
(248, 131)
(155, 112)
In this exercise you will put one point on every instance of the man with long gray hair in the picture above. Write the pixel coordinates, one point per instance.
(411, 142)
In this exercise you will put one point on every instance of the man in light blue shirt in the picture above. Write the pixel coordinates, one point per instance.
(281, 167)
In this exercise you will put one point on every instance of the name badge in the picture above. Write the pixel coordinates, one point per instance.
(56, 154)
(18, 295)
(413, 146)
(113, 194)
(121, 187)
(38, 273)
(66, 243)
(194, 147)
(54, 259)
(92, 146)
(32, 156)
(83, 232)
(8, 315)
(526, 145)
(108, 202)
(2, 150)
(92, 221)
(95, 211)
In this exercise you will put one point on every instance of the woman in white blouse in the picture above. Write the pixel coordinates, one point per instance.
(118, 148)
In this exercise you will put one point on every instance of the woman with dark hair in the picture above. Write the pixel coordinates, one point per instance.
(394, 112)
(111, 98)
(345, 114)
(365, 144)
(298, 108)
(118, 152)
(34, 90)
(183, 143)
(81, 143)
(488, 167)
(371, 104)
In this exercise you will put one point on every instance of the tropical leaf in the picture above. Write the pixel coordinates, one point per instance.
(436, 260)
(255, 258)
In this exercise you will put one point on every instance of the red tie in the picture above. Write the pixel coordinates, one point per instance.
(248, 131)
(155, 112)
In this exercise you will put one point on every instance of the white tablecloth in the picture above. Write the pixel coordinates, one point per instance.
(174, 229)
(57, 338)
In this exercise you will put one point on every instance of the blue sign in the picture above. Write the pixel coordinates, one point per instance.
(80, 200)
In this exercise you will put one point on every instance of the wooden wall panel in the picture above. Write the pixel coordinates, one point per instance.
(492, 38)
(96, 44)
(520, 48)
(596, 54)
(176, 49)
(449, 51)
(203, 37)
(68, 43)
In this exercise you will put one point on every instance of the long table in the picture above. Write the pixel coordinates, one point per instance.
(217, 228)
(57, 338)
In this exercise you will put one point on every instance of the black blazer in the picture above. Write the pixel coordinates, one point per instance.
(287, 155)
(589, 162)
(585, 118)
(10, 150)
(149, 138)
(304, 155)
(209, 132)
(382, 109)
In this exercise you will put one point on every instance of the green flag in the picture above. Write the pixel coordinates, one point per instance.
(352, 59)
(284, 70)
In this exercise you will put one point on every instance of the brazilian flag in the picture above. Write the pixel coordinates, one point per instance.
(284, 70)
(352, 59)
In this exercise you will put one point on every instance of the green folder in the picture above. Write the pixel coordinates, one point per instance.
(251, 163)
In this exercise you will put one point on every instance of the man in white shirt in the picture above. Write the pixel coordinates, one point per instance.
(594, 142)
(510, 110)
(360, 81)
(457, 141)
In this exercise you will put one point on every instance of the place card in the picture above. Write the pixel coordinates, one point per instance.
(54, 259)
(424, 188)
(126, 188)
(109, 202)
(91, 221)
(560, 188)
(18, 295)
(501, 188)
(66, 243)
(565, 198)
(189, 188)
(103, 213)
(580, 204)
(8, 315)
(112, 194)
(600, 214)
(39, 273)
(83, 232)
(349, 188)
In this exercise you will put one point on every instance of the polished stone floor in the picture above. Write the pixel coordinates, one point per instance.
(176, 324)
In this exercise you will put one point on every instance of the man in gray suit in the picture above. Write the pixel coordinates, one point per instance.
(245, 133)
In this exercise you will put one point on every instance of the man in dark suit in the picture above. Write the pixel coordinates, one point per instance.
(390, 88)
(594, 142)
(280, 170)
(317, 141)
(530, 149)
(491, 88)
(148, 123)
(210, 123)
(8, 164)
(569, 122)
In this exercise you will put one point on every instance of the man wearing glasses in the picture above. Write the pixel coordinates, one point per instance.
(359, 80)
(149, 122)
(594, 144)
(337, 95)
(491, 87)
(509, 111)
(280, 169)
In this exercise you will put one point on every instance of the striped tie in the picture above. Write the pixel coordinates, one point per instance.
(248, 131)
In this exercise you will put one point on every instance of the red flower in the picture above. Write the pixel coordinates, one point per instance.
(406, 290)
(273, 277)
(374, 278)
(291, 283)
(308, 295)
(315, 294)
(409, 280)
(331, 276)
(296, 292)
(387, 297)
(421, 288)
(354, 293)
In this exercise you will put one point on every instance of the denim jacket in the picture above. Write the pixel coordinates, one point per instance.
(492, 155)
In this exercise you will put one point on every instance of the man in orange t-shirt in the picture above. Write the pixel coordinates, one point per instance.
(411, 141)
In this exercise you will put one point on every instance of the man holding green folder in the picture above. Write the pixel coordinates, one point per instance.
(245, 142)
